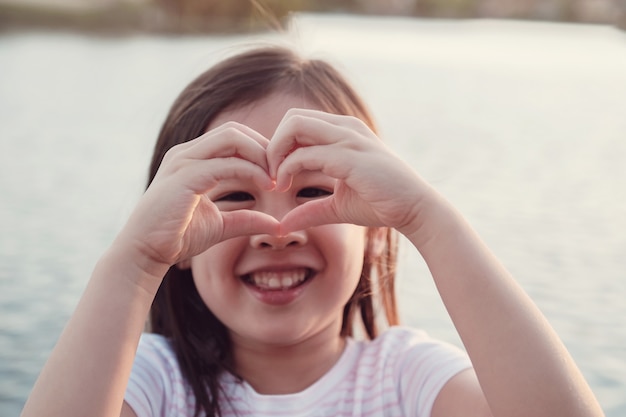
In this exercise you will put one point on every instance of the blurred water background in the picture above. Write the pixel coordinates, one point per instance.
(522, 125)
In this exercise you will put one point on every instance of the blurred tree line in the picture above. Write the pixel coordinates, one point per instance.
(242, 14)
(591, 11)
(201, 16)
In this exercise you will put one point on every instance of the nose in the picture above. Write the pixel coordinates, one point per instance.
(265, 241)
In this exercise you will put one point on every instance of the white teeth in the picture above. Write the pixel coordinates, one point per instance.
(274, 280)
(273, 283)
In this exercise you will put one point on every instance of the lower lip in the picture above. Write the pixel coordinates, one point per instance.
(277, 297)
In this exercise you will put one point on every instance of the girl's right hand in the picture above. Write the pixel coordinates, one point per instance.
(175, 220)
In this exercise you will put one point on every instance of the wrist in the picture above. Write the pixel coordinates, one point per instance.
(126, 261)
(434, 218)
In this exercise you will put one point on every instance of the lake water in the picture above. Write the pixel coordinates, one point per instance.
(521, 125)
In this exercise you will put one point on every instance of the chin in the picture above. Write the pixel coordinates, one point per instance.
(276, 335)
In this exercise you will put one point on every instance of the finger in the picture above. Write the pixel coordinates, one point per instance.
(348, 121)
(200, 176)
(330, 160)
(311, 214)
(300, 130)
(248, 222)
(231, 139)
(247, 130)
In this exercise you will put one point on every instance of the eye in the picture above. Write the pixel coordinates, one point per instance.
(313, 192)
(236, 196)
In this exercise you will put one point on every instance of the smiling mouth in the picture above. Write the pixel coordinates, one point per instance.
(278, 280)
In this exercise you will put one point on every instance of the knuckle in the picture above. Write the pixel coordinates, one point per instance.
(172, 160)
(171, 154)
(231, 126)
(293, 112)
(297, 121)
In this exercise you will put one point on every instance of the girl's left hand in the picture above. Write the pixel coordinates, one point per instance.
(374, 186)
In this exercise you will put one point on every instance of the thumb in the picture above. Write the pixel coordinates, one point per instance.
(310, 214)
(248, 222)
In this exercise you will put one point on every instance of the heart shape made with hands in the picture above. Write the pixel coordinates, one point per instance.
(316, 211)
(195, 198)
(342, 205)
(342, 148)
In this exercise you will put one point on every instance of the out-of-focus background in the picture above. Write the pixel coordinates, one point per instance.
(514, 109)
(210, 16)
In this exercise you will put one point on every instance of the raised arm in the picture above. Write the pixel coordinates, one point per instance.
(522, 366)
(87, 372)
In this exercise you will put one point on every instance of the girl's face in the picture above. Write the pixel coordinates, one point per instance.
(278, 291)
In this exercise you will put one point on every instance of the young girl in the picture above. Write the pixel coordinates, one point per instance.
(264, 244)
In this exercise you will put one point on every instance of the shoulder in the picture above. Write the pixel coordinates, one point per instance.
(156, 357)
(398, 341)
(156, 384)
(401, 347)
(409, 347)
(418, 365)
(157, 348)
(402, 335)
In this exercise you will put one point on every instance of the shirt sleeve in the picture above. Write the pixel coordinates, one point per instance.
(423, 366)
(155, 387)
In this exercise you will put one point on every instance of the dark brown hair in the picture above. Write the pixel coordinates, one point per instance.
(201, 342)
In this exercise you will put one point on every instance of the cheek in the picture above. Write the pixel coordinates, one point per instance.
(345, 238)
(213, 271)
(344, 246)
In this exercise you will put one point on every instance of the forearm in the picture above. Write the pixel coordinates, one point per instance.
(522, 366)
(87, 372)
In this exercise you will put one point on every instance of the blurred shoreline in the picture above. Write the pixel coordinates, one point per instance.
(211, 17)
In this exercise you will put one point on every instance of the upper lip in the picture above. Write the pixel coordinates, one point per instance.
(274, 268)
(276, 265)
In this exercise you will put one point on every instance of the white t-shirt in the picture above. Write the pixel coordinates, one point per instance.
(400, 373)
